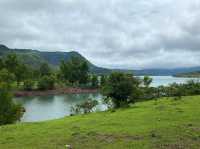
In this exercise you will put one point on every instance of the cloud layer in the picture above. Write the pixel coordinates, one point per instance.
(132, 34)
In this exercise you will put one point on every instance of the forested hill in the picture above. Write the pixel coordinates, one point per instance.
(35, 58)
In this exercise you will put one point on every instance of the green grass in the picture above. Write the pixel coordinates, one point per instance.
(165, 124)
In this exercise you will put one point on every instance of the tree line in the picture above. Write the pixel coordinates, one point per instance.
(119, 89)
(15, 75)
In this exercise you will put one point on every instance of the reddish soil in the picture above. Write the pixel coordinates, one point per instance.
(54, 92)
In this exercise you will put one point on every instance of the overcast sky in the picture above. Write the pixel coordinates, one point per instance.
(132, 34)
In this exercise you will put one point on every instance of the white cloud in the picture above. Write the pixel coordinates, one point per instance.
(115, 33)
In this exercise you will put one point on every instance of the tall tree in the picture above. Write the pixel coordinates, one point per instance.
(9, 111)
(119, 88)
(45, 70)
(75, 70)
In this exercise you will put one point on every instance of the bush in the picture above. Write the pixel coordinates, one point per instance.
(85, 107)
(94, 81)
(9, 111)
(46, 83)
(28, 85)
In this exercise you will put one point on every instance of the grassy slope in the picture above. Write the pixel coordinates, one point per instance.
(168, 124)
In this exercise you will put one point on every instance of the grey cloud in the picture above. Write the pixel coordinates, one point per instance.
(117, 33)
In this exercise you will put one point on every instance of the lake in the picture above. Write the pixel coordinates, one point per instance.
(58, 106)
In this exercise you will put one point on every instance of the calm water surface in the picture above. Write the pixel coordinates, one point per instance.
(58, 106)
(40, 108)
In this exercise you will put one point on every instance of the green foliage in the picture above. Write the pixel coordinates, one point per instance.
(29, 85)
(75, 70)
(85, 107)
(46, 83)
(9, 112)
(15, 67)
(102, 80)
(147, 81)
(21, 73)
(6, 76)
(94, 81)
(119, 88)
(45, 70)
(11, 62)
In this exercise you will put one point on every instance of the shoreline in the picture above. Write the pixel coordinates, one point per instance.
(54, 92)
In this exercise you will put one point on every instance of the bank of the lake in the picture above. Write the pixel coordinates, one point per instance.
(69, 90)
(49, 107)
(162, 124)
(53, 104)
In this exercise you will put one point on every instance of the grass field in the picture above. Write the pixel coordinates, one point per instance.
(165, 124)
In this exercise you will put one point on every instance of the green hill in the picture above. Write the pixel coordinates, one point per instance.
(35, 58)
(165, 124)
(195, 74)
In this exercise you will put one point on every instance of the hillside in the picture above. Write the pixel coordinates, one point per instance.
(189, 75)
(165, 124)
(36, 57)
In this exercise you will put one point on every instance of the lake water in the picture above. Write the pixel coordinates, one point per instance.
(58, 106)
(166, 80)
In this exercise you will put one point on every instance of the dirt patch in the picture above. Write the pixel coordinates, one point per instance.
(108, 138)
(173, 146)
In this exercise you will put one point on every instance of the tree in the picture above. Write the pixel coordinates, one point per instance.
(94, 81)
(1, 63)
(6, 76)
(21, 73)
(45, 70)
(9, 112)
(46, 83)
(119, 88)
(11, 62)
(102, 80)
(28, 84)
(147, 81)
(75, 70)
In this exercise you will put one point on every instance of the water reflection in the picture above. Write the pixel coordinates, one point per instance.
(52, 107)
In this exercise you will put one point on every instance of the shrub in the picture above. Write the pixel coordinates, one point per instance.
(94, 81)
(46, 83)
(28, 85)
(85, 107)
(9, 111)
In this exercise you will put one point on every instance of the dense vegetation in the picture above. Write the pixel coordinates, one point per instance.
(121, 89)
(16, 75)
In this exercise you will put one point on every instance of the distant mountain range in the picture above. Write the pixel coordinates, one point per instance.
(35, 58)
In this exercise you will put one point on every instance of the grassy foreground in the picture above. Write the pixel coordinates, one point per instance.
(165, 124)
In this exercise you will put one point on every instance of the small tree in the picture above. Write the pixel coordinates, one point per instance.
(94, 81)
(147, 81)
(28, 85)
(85, 107)
(46, 83)
(9, 112)
(119, 88)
